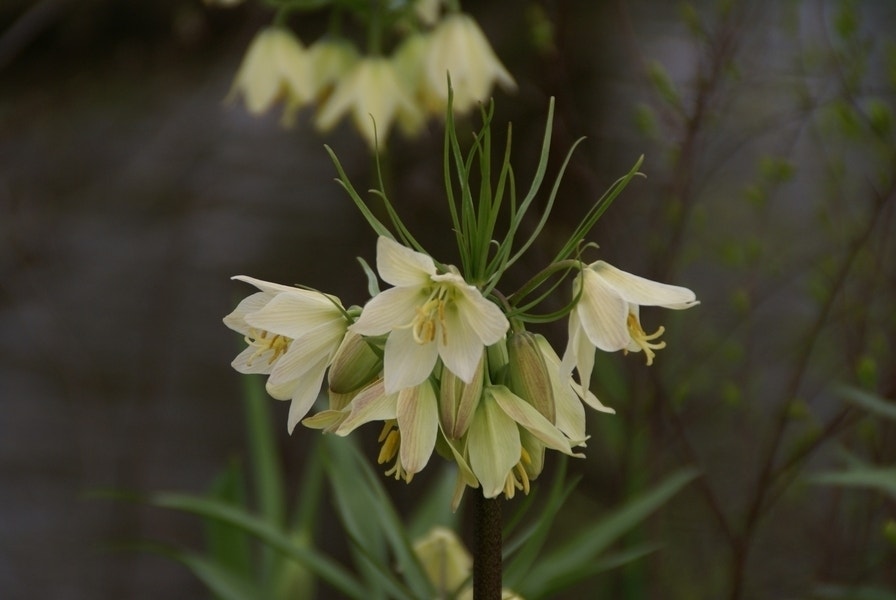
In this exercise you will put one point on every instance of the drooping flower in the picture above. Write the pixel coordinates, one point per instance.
(427, 315)
(293, 335)
(607, 315)
(411, 424)
(458, 47)
(275, 68)
(494, 446)
(371, 89)
(330, 58)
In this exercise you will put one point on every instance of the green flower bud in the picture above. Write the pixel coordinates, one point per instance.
(527, 373)
(458, 401)
(354, 365)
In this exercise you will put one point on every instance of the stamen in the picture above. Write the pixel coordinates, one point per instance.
(258, 338)
(643, 340)
(430, 315)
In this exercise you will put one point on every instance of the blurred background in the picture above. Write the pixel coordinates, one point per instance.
(130, 193)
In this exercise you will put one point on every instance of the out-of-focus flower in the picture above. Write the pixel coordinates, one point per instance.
(448, 564)
(427, 11)
(330, 58)
(607, 315)
(293, 335)
(458, 47)
(371, 89)
(428, 315)
(275, 68)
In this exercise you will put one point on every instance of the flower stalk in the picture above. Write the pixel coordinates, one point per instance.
(487, 548)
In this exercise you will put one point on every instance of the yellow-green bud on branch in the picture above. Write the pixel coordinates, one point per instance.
(354, 365)
(527, 373)
(458, 401)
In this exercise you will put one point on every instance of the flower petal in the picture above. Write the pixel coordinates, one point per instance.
(371, 404)
(459, 345)
(401, 266)
(407, 363)
(528, 416)
(493, 444)
(306, 392)
(603, 313)
(645, 292)
(418, 423)
(295, 313)
(249, 361)
(265, 286)
(480, 314)
(395, 307)
(250, 304)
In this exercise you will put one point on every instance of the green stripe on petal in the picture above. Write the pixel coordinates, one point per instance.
(493, 445)
(418, 423)
(528, 416)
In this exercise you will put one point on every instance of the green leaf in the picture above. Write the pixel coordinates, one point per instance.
(870, 402)
(879, 478)
(525, 548)
(435, 506)
(222, 582)
(571, 561)
(264, 463)
(371, 519)
(227, 545)
(327, 569)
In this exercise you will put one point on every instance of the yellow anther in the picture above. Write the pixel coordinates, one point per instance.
(390, 447)
(429, 317)
(258, 338)
(643, 340)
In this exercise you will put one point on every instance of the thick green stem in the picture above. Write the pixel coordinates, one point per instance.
(487, 566)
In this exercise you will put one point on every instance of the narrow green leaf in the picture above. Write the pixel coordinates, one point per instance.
(324, 567)
(882, 479)
(571, 560)
(434, 508)
(359, 480)
(222, 582)
(227, 545)
(870, 402)
(264, 464)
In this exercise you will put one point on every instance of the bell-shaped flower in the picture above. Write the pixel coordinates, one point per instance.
(293, 335)
(371, 90)
(275, 68)
(411, 424)
(458, 47)
(427, 315)
(331, 58)
(607, 315)
(496, 454)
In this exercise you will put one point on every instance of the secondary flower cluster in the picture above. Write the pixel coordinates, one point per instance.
(441, 367)
(405, 87)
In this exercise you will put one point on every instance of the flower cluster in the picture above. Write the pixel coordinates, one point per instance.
(443, 360)
(404, 87)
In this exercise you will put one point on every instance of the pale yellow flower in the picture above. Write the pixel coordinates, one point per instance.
(331, 58)
(372, 93)
(427, 315)
(274, 69)
(292, 335)
(458, 47)
(607, 315)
